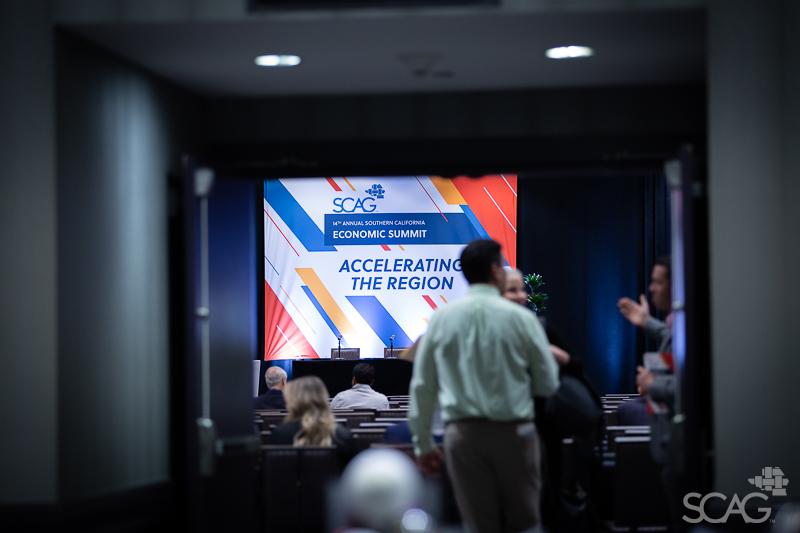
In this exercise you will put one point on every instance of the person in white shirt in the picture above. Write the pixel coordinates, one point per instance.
(361, 395)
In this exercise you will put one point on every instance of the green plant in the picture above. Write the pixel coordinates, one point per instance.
(537, 298)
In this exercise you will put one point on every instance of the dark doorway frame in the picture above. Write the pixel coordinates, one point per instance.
(533, 156)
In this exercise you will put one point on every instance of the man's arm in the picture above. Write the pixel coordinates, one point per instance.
(423, 389)
(636, 314)
(543, 367)
(662, 389)
(656, 329)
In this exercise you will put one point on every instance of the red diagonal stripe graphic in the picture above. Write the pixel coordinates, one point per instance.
(493, 201)
(430, 301)
(334, 184)
(281, 232)
(431, 197)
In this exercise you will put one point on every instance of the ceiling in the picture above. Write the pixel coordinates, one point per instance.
(415, 50)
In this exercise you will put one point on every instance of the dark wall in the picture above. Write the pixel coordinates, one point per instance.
(754, 193)
(593, 240)
(593, 111)
(120, 132)
(28, 329)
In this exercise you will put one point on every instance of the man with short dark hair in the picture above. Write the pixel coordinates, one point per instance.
(660, 289)
(482, 359)
(361, 395)
(660, 388)
(275, 377)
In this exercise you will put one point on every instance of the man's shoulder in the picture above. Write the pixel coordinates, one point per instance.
(494, 300)
(342, 394)
(259, 401)
(515, 317)
(272, 399)
(500, 307)
(507, 309)
(373, 392)
(339, 399)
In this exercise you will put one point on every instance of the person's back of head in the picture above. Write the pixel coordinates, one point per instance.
(364, 373)
(307, 402)
(481, 262)
(275, 377)
(378, 487)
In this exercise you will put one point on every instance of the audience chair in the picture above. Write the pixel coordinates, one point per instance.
(294, 481)
(639, 498)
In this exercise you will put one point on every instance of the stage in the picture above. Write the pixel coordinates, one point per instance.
(392, 376)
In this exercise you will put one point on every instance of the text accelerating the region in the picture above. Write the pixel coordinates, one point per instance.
(431, 264)
(423, 282)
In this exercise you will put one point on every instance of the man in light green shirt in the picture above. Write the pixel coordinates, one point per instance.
(482, 359)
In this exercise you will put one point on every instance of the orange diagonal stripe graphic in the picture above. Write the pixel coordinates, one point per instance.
(318, 289)
(448, 191)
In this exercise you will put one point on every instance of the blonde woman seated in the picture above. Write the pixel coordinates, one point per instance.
(310, 421)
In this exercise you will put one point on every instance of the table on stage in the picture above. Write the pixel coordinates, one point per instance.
(392, 376)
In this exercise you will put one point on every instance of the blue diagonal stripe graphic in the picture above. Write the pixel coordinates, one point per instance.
(322, 312)
(379, 319)
(475, 222)
(285, 205)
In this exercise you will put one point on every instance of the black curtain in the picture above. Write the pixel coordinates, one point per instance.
(233, 301)
(594, 239)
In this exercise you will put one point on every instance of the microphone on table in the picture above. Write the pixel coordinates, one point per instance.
(339, 356)
(391, 346)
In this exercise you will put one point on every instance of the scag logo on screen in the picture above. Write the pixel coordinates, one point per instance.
(360, 205)
(772, 481)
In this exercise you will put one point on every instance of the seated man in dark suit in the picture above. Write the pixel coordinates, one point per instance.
(658, 387)
(275, 377)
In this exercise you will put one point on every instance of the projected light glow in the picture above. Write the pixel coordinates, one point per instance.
(569, 52)
(276, 60)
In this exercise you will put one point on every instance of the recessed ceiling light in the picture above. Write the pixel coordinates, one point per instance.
(569, 52)
(274, 60)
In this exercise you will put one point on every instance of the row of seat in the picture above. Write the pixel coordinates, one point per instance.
(273, 416)
(309, 471)
(632, 493)
(610, 404)
(367, 427)
(628, 483)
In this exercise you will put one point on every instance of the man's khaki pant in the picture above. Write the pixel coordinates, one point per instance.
(494, 468)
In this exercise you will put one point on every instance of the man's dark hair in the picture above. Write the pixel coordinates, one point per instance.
(666, 262)
(364, 373)
(477, 260)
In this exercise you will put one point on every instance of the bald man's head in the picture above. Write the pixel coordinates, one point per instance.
(275, 377)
